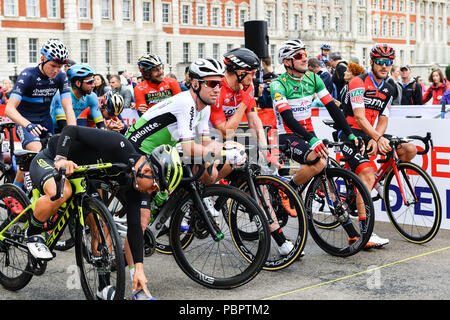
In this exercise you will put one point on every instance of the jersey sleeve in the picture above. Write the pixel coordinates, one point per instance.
(321, 90)
(252, 106)
(356, 92)
(95, 110)
(57, 110)
(64, 88)
(203, 126)
(20, 87)
(217, 116)
(175, 87)
(139, 96)
(186, 129)
(279, 98)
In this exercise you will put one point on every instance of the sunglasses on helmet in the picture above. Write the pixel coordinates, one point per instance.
(387, 62)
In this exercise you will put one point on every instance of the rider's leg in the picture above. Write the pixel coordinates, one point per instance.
(406, 151)
(306, 172)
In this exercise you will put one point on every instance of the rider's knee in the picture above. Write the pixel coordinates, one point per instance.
(367, 175)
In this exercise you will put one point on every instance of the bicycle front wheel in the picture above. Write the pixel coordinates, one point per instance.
(98, 251)
(217, 263)
(334, 212)
(413, 203)
(288, 214)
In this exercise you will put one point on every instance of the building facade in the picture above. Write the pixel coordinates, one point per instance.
(111, 35)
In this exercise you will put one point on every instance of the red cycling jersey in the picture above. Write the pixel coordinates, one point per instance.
(228, 102)
(150, 93)
(363, 92)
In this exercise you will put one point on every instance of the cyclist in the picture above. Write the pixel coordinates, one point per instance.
(370, 100)
(236, 102)
(78, 145)
(154, 87)
(113, 107)
(81, 77)
(29, 103)
(325, 50)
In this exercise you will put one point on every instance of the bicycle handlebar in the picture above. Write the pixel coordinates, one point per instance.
(395, 141)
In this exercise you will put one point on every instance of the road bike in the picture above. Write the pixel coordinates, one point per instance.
(98, 250)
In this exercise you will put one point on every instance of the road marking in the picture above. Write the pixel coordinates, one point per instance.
(355, 274)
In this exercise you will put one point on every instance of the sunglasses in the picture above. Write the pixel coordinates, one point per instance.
(387, 62)
(300, 55)
(212, 83)
(89, 81)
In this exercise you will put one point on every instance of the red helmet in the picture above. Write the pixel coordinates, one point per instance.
(382, 51)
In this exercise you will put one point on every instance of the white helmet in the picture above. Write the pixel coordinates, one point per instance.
(55, 50)
(203, 67)
(288, 49)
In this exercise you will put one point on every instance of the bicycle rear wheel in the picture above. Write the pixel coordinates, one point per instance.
(418, 220)
(219, 264)
(333, 219)
(290, 216)
(98, 251)
(15, 267)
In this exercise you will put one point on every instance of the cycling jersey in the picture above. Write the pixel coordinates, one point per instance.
(363, 92)
(169, 122)
(297, 94)
(35, 92)
(150, 93)
(228, 102)
(88, 101)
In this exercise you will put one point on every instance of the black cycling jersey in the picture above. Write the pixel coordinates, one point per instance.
(84, 146)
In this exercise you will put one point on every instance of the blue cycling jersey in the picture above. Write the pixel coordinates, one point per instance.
(35, 92)
(87, 101)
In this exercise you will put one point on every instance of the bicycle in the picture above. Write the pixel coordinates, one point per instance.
(281, 206)
(97, 245)
(331, 202)
(416, 218)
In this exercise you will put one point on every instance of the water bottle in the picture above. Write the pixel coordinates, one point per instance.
(157, 203)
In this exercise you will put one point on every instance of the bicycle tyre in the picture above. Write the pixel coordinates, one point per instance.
(15, 277)
(335, 241)
(112, 262)
(294, 228)
(430, 218)
(206, 268)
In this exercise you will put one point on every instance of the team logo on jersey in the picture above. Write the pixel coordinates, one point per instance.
(357, 95)
(277, 96)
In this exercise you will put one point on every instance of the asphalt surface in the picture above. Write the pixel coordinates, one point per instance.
(399, 271)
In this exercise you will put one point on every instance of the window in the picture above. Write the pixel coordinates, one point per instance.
(215, 16)
(33, 50)
(272, 53)
(186, 52)
(393, 5)
(324, 23)
(361, 25)
(402, 29)
(216, 50)
(185, 13)
(166, 13)
(383, 4)
(242, 17)
(401, 5)
(108, 51)
(106, 10)
(10, 7)
(84, 51)
(32, 8)
(375, 4)
(149, 46)
(412, 58)
(412, 31)
(169, 53)
(200, 15)
(126, 10)
(201, 50)
(52, 8)
(83, 8)
(364, 56)
(11, 46)
(129, 51)
(384, 28)
(412, 6)
(269, 18)
(393, 29)
(296, 22)
(229, 17)
(146, 11)
(310, 19)
(337, 23)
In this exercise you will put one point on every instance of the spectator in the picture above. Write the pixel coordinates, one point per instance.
(117, 86)
(353, 70)
(420, 81)
(411, 90)
(397, 88)
(187, 81)
(329, 67)
(315, 66)
(323, 56)
(437, 88)
(339, 67)
(101, 87)
(68, 65)
(173, 76)
(446, 98)
(6, 91)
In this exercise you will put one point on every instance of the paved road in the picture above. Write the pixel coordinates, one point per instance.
(400, 271)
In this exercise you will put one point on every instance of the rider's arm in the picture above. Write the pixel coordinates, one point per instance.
(12, 113)
(95, 111)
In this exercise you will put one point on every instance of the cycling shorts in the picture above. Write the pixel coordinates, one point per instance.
(299, 147)
(42, 169)
(26, 137)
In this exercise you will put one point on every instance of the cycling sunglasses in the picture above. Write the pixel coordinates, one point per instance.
(212, 83)
(387, 62)
(300, 55)
(89, 81)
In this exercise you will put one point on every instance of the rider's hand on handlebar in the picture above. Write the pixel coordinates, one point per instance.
(35, 129)
(383, 145)
(358, 142)
(68, 164)
(372, 148)
(319, 148)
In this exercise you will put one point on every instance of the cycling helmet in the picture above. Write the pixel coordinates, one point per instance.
(166, 166)
(325, 46)
(114, 104)
(55, 50)
(241, 58)
(206, 67)
(382, 51)
(289, 48)
(80, 70)
(149, 61)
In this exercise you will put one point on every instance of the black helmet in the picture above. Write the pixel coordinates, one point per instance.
(241, 58)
